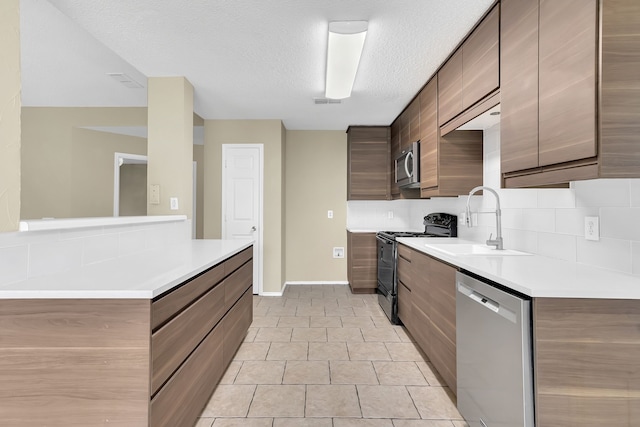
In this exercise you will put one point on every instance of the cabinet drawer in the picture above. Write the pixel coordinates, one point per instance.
(404, 304)
(404, 252)
(184, 396)
(237, 260)
(170, 304)
(236, 284)
(173, 342)
(404, 272)
(235, 325)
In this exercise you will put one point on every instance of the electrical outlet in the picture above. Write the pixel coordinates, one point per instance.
(338, 252)
(591, 228)
(330, 214)
(390, 214)
(174, 203)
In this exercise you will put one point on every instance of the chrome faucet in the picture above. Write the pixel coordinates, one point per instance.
(497, 242)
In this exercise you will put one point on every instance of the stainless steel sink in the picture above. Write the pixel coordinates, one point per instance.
(465, 249)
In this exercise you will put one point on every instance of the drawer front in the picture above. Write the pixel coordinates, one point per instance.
(404, 304)
(169, 305)
(236, 284)
(181, 400)
(173, 342)
(404, 272)
(404, 252)
(237, 260)
(235, 324)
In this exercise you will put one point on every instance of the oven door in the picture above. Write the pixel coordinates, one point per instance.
(386, 276)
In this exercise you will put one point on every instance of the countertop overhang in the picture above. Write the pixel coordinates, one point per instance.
(141, 276)
(535, 275)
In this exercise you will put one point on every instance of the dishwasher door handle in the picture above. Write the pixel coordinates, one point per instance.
(487, 302)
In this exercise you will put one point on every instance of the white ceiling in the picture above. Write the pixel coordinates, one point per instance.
(247, 59)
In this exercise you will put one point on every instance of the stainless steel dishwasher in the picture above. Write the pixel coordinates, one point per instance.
(494, 368)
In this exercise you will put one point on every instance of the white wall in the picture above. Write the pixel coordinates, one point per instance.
(548, 222)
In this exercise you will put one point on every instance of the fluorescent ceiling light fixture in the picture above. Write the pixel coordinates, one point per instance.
(346, 39)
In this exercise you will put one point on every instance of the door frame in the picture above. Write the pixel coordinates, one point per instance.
(258, 250)
(120, 159)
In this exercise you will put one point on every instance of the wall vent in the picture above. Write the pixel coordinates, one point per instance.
(125, 80)
(324, 101)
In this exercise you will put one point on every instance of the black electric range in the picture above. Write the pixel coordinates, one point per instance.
(436, 225)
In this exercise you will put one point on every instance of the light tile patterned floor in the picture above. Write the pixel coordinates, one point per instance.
(320, 356)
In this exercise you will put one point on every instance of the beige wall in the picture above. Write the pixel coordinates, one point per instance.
(133, 190)
(198, 157)
(170, 143)
(9, 115)
(269, 133)
(49, 138)
(316, 171)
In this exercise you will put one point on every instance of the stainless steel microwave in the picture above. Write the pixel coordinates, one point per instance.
(408, 167)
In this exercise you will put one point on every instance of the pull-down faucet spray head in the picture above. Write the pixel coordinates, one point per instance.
(497, 242)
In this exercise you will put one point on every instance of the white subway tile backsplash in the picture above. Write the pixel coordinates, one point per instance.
(571, 221)
(13, 263)
(602, 193)
(513, 218)
(556, 198)
(518, 198)
(557, 246)
(543, 220)
(634, 190)
(521, 240)
(99, 248)
(613, 254)
(635, 258)
(620, 223)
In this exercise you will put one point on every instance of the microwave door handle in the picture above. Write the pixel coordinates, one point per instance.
(406, 164)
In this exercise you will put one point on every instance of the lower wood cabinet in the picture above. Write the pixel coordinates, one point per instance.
(427, 295)
(123, 362)
(362, 262)
(586, 355)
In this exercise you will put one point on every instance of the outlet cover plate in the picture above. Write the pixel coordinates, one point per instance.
(338, 252)
(591, 228)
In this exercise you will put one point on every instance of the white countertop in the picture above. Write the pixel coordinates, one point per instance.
(74, 223)
(537, 276)
(141, 276)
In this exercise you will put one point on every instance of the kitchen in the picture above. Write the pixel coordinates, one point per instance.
(548, 222)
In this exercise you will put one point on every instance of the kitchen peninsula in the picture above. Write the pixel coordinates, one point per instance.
(138, 340)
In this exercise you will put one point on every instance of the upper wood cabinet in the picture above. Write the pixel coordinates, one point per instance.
(450, 88)
(562, 120)
(404, 131)
(473, 71)
(429, 134)
(481, 60)
(368, 176)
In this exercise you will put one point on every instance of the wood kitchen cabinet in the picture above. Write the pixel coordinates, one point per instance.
(473, 71)
(362, 262)
(427, 307)
(586, 362)
(562, 120)
(404, 131)
(124, 362)
(368, 176)
(450, 165)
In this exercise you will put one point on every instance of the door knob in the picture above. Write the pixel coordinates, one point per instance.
(253, 228)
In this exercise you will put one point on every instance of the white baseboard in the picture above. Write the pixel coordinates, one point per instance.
(271, 294)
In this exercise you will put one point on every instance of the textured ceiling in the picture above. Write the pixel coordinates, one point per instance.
(247, 59)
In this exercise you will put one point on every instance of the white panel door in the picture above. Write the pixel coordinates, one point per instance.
(242, 199)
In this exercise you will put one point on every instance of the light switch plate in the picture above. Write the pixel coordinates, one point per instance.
(330, 214)
(591, 228)
(154, 194)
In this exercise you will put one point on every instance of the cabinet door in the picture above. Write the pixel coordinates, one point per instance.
(368, 176)
(413, 115)
(362, 262)
(429, 135)
(519, 85)
(442, 298)
(568, 48)
(450, 88)
(480, 60)
(395, 152)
